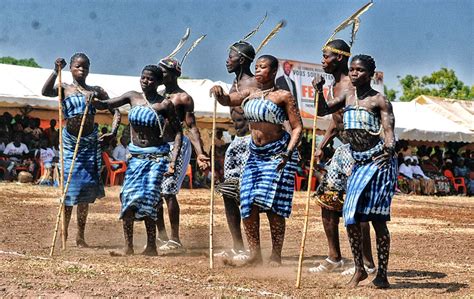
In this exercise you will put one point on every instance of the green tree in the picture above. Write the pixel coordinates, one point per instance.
(442, 83)
(23, 62)
(390, 94)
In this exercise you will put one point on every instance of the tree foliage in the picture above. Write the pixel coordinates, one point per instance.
(23, 62)
(390, 94)
(442, 83)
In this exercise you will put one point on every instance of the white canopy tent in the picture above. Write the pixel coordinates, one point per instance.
(416, 120)
(22, 86)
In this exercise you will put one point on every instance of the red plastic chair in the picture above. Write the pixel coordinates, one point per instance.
(458, 182)
(299, 179)
(114, 177)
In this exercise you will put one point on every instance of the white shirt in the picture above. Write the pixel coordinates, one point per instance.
(11, 149)
(406, 170)
(120, 153)
(46, 155)
(417, 170)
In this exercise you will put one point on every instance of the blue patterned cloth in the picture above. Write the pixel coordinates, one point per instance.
(75, 104)
(361, 118)
(172, 184)
(85, 185)
(142, 184)
(370, 189)
(263, 110)
(263, 185)
(145, 116)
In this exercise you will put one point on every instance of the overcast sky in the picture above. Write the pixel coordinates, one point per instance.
(120, 37)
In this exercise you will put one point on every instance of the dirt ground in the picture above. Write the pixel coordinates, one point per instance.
(431, 255)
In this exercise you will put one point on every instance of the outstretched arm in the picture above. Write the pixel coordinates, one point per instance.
(102, 95)
(49, 89)
(225, 99)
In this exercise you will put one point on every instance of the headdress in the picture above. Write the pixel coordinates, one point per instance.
(352, 20)
(170, 62)
(246, 37)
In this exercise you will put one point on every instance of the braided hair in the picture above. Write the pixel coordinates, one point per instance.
(155, 70)
(367, 61)
(79, 55)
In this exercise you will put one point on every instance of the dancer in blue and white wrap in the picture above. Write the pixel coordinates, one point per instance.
(371, 185)
(150, 115)
(85, 185)
(268, 178)
(236, 157)
(184, 106)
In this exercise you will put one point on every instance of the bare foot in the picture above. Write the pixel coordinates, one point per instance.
(275, 261)
(81, 243)
(358, 277)
(379, 283)
(150, 251)
(126, 251)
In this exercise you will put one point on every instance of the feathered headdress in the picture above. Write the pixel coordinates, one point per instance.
(170, 62)
(352, 20)
(271, 35)
(246, 37)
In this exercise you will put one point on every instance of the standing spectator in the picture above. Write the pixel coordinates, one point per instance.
(45, 155)
(52, 134)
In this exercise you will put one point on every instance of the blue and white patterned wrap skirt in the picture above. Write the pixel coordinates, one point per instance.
(370, 189)
(172, 184)
(85, 185)
(142, 185)
(262, 185)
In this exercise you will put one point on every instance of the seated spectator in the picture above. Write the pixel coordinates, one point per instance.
(46, 156)
(430, 168)
(120, 152)
(17, 153)
(406, 182)
(427, 184)
(461, 170)
(448, 165)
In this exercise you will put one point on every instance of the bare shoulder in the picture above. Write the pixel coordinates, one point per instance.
(381, 100)
(284, 94)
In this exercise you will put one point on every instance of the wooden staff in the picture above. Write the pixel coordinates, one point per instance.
(211, 214)
(308, 192)
(61, 157)
(63, 196)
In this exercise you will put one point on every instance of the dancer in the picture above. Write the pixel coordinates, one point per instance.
(371, 185)
(268, 177)
(150, 116)
(85, 185)
(240, 58)
(184, 106)
(330, 194)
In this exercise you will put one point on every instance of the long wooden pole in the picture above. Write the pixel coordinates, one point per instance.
(61, 157)
(211, 213)
(308, 192)
(63, 196)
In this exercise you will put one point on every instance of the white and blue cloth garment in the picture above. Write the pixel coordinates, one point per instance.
(172, 184)
(85, 185)
(370, 188)
(142, 184)
(262, 185)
